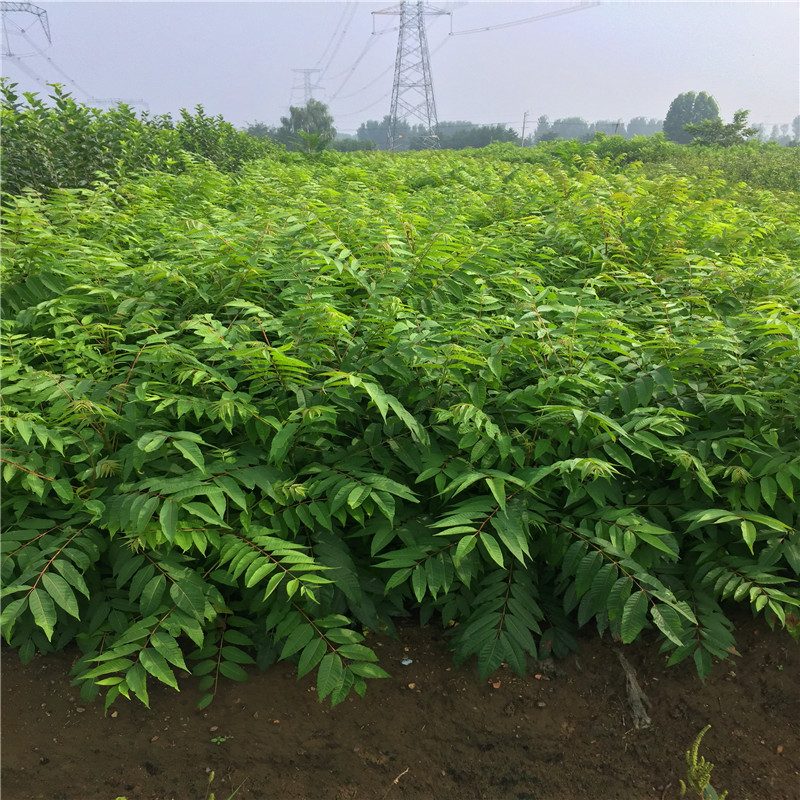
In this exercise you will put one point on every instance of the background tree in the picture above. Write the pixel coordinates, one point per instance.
(452, 127)
(378, 131)
(260, 130)
(642, 126)
(716, 132)
(780, 134)
(314, 120)
(474, 135)
(542, 128)
(689, 108)
(612, 127)
(568, 128)
(352, 145)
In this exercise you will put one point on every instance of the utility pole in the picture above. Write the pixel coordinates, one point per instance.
(308, 89)
(412, 91)
(524, 120)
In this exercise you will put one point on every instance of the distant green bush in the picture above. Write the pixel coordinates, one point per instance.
(762, 165)
(353, 145)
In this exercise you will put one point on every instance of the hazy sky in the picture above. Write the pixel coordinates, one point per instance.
(615, 60)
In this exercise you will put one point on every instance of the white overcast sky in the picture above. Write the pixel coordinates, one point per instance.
(615, 60)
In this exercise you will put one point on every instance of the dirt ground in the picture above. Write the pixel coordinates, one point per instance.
(431, 731)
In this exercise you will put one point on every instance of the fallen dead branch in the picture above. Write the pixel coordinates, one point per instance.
(637, 699)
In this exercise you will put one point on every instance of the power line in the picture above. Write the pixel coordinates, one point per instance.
(62, 73)
(341, 39)
(352, 69)
(557, 13)
(333, 35)
(367, 85)
(29, 72)
(367, 46)
(366, 108)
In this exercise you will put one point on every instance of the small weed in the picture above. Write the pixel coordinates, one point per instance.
(699, 773)
(220, 739)
(209, 794)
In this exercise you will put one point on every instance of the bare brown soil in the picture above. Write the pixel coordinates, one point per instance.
(431, 731)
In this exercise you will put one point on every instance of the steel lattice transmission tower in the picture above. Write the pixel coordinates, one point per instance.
(412, 92)
(7, 8)
(308, 87)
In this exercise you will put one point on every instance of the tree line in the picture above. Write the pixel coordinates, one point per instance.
(691, 117)
(311, 128)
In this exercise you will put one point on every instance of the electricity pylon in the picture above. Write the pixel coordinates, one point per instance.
(308, 88)
(26, 8)
(412, 92)
(9, 10)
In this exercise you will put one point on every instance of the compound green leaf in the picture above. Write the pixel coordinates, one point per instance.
(187, 594)
(368, 670)
(61, 592)
(157, 666)
(330, 675)
(769, 490)
(43, 610)
(192, 453)
(748, 533)
(634, 616)
(492, 547)
(311, 656)
(297, 640)
(668, 622)
(169, 648)
(232, 670)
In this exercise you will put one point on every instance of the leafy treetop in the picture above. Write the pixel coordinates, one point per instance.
(688, 108)
(716, 132)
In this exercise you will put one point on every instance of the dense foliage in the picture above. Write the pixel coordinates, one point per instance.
(64, 144)
(760, 165)
(717, 133)
(452, 135)
(688, 108)
(257, 416)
